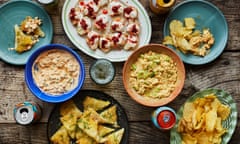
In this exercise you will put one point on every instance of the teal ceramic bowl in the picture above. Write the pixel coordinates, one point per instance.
(12, 13)
(206, 15)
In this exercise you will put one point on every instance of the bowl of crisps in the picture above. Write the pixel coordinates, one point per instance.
(54, 73)
(211, 112)
(153, 75)
(197, 30)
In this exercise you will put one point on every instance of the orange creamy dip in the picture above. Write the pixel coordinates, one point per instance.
(56, 71)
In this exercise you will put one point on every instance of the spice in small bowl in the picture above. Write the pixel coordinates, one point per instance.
(102, 71)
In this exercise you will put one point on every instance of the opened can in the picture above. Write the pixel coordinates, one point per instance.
(27, 113)
(161, 6)
(164, 118)
(49, 4)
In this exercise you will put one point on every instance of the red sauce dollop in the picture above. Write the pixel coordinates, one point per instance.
(101, 24)
(115, 8)
(128, 10)
(83, 24)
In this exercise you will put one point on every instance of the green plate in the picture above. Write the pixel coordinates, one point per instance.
(13, 12)
(230, 123)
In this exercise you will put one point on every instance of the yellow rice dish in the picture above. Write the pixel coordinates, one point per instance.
(154, 75)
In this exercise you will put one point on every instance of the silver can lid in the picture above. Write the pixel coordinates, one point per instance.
(46, 1)
(24, 115)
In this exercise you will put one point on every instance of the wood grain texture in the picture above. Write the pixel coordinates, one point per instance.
(222, 73)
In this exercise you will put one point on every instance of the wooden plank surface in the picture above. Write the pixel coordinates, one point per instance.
(223, 73)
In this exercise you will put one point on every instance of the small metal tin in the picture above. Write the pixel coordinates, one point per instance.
(27, 113)
(49, 4)
(164, 118)
(161, 6)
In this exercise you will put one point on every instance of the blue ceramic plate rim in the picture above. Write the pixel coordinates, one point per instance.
(219, 44)
(44, 96)
(11, 56)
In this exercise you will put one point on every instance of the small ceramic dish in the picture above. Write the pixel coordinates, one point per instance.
(102, 71)
(54, 73)
(179, 77)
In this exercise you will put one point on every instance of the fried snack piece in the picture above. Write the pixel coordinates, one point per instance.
(69, 106)
(70, 114)
(88, 123)
(115, 137)
(104, 130)
(83, 138)
(23, 42)
(69, 121)
(27, 34)
(60, 136)
(96, 104)
(110, 115)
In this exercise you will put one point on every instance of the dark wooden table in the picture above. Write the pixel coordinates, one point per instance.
(222, 73)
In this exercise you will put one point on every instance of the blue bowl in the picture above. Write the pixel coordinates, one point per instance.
(45, 96)
(206, 15)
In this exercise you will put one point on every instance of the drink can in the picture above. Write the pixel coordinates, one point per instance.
(164, 118)
(27, 113)
(49, 4)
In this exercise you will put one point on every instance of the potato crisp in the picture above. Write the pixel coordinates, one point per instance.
(202, 121)
(187, 39)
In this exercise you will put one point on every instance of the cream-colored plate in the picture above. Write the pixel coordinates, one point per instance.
(114, 55)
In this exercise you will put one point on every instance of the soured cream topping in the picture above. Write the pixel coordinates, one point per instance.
(105, 44)
(117, 25)
(131, 42)
(118, 39)
(101, 3)
(84, 25)
(133, 28)
(116, 8)
(130, 12)
(90, 9)
(102, 21)
(93, 39)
